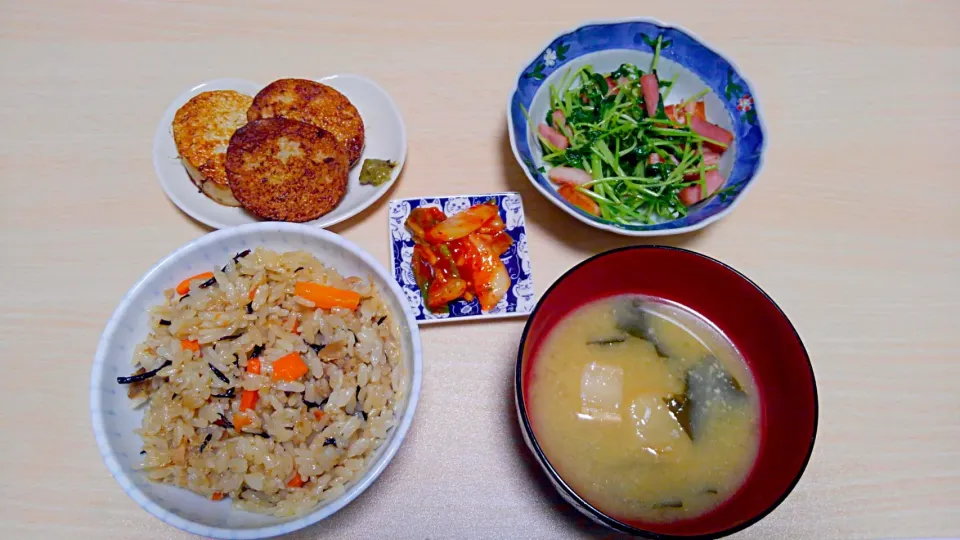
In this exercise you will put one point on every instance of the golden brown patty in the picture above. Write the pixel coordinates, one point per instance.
(202, 129)
(285, 170)
(313, 103)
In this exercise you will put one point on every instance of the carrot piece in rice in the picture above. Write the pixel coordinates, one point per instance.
(326, 297)
(296, 481)
(240, 421)
(289, 368)
(189, 344)
(248, 400)
(184, 286)
(253, 366)
(217, 496)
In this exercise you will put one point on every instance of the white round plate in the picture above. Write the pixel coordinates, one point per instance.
(385, 138)
(114, 421)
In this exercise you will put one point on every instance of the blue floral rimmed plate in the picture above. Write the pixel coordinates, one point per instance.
(519, 299)
(605, 45)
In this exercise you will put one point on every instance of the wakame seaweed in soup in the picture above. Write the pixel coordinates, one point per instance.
(645, 409)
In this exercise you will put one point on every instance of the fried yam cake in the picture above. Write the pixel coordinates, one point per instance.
(285, 170)
(314, 103)
(202, 128)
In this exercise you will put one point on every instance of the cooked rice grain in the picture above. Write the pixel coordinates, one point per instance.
(350, 357)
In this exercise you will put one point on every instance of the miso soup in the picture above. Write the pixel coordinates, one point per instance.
(644, 409)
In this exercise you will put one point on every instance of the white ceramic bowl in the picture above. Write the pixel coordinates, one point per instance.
(114, 420)
(385, 137)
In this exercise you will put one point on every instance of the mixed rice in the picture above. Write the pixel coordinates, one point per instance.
(255, 392)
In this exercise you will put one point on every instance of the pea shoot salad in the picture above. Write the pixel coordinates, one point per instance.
(616, 152)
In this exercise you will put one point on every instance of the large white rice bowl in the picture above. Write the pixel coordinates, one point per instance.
(364, 373)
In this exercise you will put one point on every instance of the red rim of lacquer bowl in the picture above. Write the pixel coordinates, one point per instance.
(754, 323)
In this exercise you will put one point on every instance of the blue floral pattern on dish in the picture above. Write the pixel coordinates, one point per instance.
(519, 299)
(716, 72)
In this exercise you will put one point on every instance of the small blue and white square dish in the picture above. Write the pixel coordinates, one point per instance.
(519, 299)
